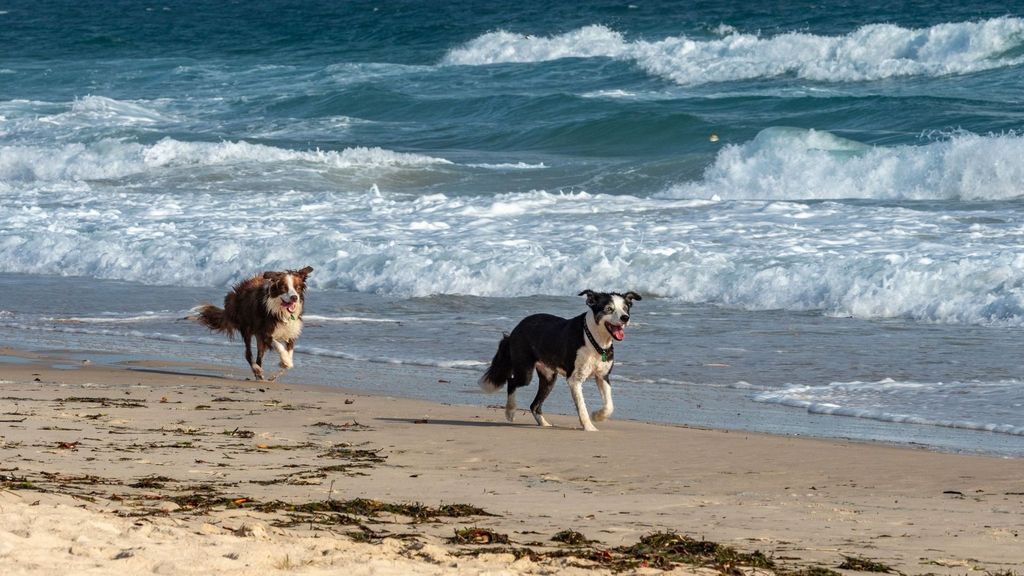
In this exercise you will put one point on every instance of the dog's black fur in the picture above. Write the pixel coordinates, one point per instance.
(552, 345)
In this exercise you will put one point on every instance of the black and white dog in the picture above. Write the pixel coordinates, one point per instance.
(576, 348)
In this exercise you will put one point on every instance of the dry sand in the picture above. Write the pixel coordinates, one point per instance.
(162, 468)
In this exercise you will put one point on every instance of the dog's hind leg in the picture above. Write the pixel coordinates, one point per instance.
(606, 395)
(510, 405)
(257, 370)
(261, 348)
(547, 384)
(520, 377)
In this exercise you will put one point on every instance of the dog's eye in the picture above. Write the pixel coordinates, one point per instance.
(608, 309)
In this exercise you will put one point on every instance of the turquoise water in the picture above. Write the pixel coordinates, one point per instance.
(828, 160)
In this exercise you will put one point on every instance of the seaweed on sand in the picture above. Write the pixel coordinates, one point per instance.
(863, 565)
(102, 401)
(661, 550)
(572, 538)
(478, 536)
(371, 508)
(151, 482)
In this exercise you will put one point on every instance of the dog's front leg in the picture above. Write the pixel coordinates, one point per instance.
(285, 352)
(606, 395)
(576, 389)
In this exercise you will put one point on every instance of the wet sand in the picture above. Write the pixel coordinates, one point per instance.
(159, 467)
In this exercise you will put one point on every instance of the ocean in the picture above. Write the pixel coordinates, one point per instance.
(822, 203)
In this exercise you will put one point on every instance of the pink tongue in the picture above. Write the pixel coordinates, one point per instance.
(618, 333)
(290, 306)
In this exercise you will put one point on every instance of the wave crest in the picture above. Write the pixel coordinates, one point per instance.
(112, 159)
(797, 164)
(871, 52)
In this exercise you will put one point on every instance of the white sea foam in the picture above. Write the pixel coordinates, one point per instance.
(868, 261)
(793, 163)
(872, 52)
(510, 166)
(87, 118)
(501, 46)
(330, 353)
(170, 152)
(349, 319)
(117, 319)
(611, 94)
(696, 242)
(112, 159)
(930, 404)
(121, 334)
(100, 108)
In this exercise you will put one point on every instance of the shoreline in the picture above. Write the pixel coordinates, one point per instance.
(177, 444)
(730, 358)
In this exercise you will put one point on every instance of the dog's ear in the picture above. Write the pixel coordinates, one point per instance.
(269, 278)
(304, 272)
(630, 296)
(590, 296)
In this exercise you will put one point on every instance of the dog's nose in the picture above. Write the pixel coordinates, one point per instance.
(625, 318)
(293, 297)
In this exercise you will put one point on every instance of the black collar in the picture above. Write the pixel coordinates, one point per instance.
(606, 353)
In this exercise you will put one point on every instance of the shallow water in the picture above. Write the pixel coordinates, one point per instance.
(779, 372)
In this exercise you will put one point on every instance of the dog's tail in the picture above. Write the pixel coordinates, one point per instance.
(213, 318)
(500, 370)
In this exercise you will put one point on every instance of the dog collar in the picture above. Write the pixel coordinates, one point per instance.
(606, 353)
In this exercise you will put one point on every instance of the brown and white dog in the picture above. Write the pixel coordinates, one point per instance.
(267, 306)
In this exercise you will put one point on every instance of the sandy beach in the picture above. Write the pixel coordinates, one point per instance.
(167, 468)
(817, 206)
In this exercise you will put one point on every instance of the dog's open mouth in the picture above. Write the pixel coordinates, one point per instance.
(618, 331)
(290, 306)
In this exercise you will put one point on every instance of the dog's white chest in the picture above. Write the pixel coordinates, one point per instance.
(288, 330)
(588, 362)
(602, 367)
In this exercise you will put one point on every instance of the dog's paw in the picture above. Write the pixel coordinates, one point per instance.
(541, 420)
(257, 371)
(510, 415)
(285, 364)
(590, 428)
(601, 415)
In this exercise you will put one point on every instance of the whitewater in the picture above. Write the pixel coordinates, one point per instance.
(772, 224)
(823, 208)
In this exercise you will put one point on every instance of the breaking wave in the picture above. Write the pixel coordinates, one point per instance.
(113, 159)
(798, 164)
(872, 52)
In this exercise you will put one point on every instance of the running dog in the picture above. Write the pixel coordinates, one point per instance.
(267, 306)
(577, 348)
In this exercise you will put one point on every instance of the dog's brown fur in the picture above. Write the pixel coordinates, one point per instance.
(259, 307)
